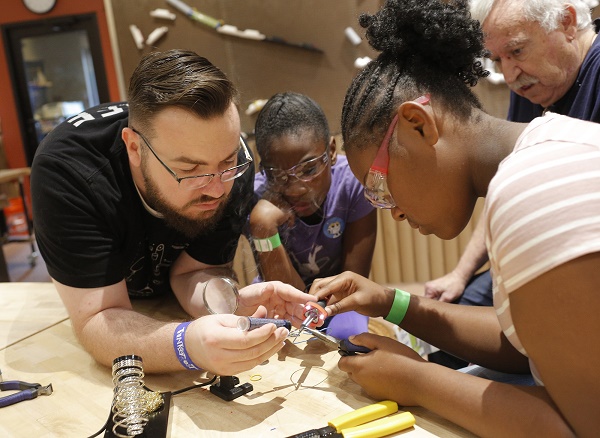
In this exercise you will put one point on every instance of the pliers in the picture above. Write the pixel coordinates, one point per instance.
(371, 421)
(27, 391)
(344, 346)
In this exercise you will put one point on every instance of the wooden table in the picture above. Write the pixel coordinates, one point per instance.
(299, 388)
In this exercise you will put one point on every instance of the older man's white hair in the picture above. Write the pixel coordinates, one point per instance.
(548, 13)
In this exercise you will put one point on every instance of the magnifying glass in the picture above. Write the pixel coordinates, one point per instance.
(220, 295)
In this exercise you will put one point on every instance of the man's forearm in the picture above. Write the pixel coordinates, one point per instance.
(116, 332)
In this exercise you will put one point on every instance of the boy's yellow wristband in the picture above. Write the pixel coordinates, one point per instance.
(399, 307)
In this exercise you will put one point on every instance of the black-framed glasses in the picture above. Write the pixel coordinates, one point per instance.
(305, 171)
(198, 181)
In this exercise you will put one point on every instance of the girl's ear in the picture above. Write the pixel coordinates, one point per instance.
(332, 150)
(416, 119)
(132, 144)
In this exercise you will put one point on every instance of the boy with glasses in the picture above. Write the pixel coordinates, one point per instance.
(148, 198)
(311, 219)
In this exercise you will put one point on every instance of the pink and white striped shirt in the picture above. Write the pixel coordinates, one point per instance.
(542, 208)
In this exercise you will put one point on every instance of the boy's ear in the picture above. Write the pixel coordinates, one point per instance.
(417, 119)
(332, 150)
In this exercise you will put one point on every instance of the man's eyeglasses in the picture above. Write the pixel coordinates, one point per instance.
(198, 181)
(376, 188)
(305, 171)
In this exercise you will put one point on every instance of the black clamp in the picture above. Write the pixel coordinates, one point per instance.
(228, 388)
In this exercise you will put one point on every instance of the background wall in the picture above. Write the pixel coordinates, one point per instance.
(14, 11)
(260, 69)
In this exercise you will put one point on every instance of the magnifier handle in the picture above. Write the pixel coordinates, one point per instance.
(247, 323)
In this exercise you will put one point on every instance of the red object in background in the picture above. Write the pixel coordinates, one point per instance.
(16, 221)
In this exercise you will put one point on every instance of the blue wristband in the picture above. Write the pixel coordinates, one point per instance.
(179, 346)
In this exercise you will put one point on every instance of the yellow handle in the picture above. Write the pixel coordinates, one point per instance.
(364, 415)
(381, 427)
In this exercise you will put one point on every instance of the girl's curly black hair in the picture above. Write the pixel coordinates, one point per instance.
(427, 46)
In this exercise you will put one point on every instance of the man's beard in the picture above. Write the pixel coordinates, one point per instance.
(191, 228)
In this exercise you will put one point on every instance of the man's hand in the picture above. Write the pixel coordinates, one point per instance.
(215, 344)
(448, 288)
(278, 300)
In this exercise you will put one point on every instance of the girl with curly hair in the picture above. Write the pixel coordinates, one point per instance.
(417, 138)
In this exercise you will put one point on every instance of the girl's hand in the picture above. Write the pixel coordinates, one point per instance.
(350, 291)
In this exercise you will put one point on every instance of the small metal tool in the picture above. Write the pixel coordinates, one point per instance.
(344, 346)
(313, 312)
(27, 391)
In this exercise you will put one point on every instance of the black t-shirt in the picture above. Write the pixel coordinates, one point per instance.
(90, 224)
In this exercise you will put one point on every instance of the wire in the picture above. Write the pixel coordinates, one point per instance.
(198, 385)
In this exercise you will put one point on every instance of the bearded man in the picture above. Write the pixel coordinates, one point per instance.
(149, 197)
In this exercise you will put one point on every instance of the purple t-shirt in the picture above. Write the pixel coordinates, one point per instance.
(316, 250)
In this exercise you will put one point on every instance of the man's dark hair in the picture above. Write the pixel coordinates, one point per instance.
(177, 78)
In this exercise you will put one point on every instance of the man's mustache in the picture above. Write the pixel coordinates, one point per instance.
(523, 81)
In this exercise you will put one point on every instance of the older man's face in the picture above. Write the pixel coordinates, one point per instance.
(538, 65)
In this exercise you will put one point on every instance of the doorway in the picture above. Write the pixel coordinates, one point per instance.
(57, 70)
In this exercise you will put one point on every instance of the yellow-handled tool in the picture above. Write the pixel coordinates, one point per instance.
(360, 423)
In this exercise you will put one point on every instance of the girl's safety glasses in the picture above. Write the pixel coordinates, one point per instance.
(376, 187)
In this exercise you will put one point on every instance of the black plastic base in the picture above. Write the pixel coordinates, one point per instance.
(157, 427)
(228, 390)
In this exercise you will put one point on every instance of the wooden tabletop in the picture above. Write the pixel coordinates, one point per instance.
(299, 388)
(26, 309)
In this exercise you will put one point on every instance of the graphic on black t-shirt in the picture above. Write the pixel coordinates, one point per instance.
(149, 273)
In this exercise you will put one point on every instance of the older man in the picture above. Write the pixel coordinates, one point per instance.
(550, 58)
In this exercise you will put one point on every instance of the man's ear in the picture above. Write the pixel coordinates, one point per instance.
(132, 144)
(332, 150)
(568, 23)
(414, 118)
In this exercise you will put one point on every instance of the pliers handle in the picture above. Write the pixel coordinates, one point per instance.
(27, 391)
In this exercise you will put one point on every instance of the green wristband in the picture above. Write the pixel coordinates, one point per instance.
(399, 307)
(268, 244)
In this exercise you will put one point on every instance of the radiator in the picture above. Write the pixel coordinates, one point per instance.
(403, 255)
